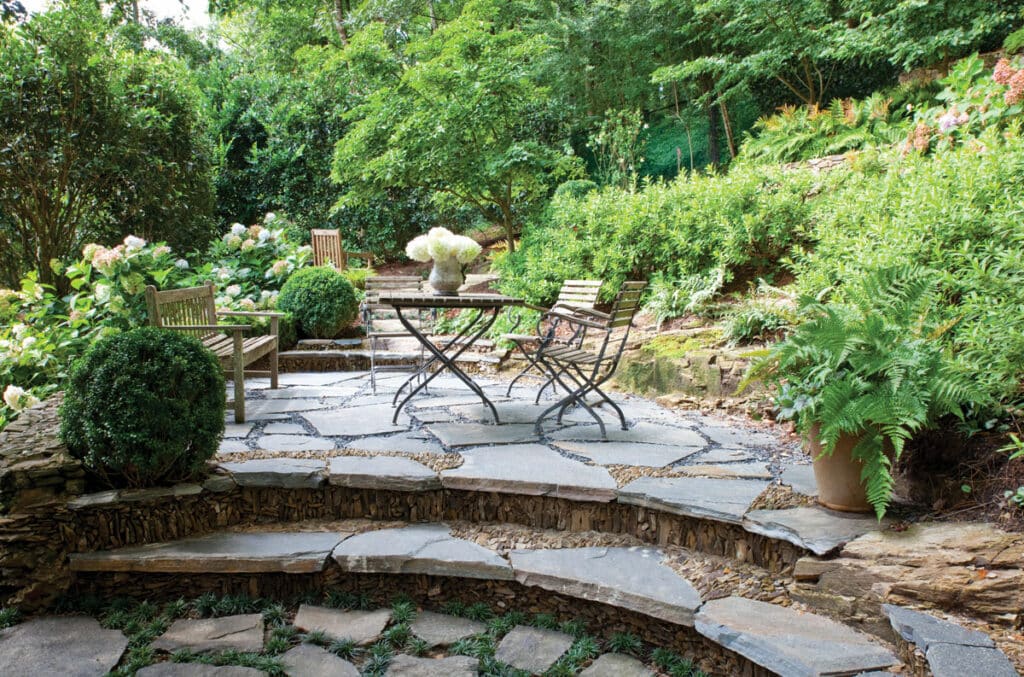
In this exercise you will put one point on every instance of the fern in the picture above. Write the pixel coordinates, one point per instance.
(873, 367)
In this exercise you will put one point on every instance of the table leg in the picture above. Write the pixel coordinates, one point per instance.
(484, 322)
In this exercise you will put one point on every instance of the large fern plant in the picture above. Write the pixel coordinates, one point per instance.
(874, 367)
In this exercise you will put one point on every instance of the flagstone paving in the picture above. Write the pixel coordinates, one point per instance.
(362, 627)
(307, 660)
(532, 649)
(243, 632)
(74, 646)
(442, 629)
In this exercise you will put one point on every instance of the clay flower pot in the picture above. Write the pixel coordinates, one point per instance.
(838, 474)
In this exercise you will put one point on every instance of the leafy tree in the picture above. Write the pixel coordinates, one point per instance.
(466, 118)
(95, 142)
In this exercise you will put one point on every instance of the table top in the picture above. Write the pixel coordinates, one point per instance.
(420, 300)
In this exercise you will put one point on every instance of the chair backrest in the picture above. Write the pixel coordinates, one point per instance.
(327, 250)
(624, 309)
(182, 307)
(579, 293)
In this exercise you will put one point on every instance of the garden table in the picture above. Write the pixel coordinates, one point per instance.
(488, 305)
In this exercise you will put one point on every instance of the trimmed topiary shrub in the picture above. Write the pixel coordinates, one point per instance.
(144, 407)
(322, 301)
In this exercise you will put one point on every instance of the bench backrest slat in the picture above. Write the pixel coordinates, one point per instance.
(182, 307)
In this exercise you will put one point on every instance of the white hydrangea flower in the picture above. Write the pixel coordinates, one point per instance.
(238, 229)
(181, 264)
(17, 399)
(440, 244)
(271, 216)
(233, 290)
(264, 235)
(132, 242)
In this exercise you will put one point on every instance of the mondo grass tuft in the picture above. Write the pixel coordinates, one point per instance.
(625, 642)
(344, 648)
(9, 616)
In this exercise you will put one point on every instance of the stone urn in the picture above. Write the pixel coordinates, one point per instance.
(446, 276)
(838, 474)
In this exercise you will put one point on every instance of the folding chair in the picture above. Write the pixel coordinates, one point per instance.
(380, 321)
(581, 371)
(575, 294)
(327, 250)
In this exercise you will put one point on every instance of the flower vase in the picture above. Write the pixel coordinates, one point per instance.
(446, 276)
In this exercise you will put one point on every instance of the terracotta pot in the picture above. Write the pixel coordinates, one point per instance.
(446, 277)
(838, 474)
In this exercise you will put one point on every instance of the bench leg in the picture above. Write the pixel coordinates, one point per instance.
(273, 369)
(239, 381)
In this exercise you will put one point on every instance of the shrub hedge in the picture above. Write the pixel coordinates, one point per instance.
(322, 301)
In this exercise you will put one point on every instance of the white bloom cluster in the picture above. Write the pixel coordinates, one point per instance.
(441, 243)
(17, 399)
(132, 242)
(238, 229)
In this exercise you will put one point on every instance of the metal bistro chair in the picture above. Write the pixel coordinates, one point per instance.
(581, 371)
(574, 295)
(327, 250)
(379, 319)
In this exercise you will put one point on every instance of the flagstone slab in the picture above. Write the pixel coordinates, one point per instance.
(283, 429)
(228, 447)
(407, 442)
(954, 660)
(198, 670)
(643, 432)
(513, 412)
(617, 665)
(362, 627)
(725, 456)
(420, 549)
(628, 578)
(308, 660)
(287, 473)
(701, 497)
(238, 429)
(70, 646)
(817, 529)
(801, 479)
(404, 665)
(475, 434)
(374, 419)
(314, 378)
(312, 392)
(532, 649)
(243, 632)
(530, 469)
(382, 472)
(733, 437)
(442, 629)
(789, 642)
(753, 471)
(261, 409)
(628, 453)
(293, 443)
(225, 552)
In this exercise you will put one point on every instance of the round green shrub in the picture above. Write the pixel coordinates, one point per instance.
(322, 301)
(575, 188)
(144, 407)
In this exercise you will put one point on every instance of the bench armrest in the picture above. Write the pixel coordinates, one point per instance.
(249, 313)
(208, 327)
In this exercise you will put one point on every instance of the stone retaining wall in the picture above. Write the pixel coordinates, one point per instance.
(430, 592)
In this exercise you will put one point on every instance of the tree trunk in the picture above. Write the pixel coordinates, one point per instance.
(714, 155)
(727, 123)
(340, 12)
(433, 16)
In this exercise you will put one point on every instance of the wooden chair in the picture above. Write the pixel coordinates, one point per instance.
(581, 371)
(327, 250)
(378, 318)
(575, 294)
(192, 310)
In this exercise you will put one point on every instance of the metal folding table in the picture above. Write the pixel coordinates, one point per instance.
(488, 305)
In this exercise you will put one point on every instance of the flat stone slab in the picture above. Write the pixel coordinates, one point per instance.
(819, 530)
(405, 442)
(315, 378)
(755, 471)
(241, 633)
(312, 392)
(925, 630)
(801, 479)
(702, 497)
(72, 646)
(261, 409)
(734, 437)
(373, 419)
(513, 412)
(293, 443)
(287, 473)
(420, 549)
(229, 446)
(283, 429)
(954, 660)
(404, 665)
(362, 627)
(628, 453)
(475, 434)
(725, 456)
(288, 552)
(617, 665)
(645, 433)
(382, 472)
(530, 469)
(198, 670)
(307, 660)
(532, 649)
(238, 429)
(628, 578)
(442, 629)
(789, 642)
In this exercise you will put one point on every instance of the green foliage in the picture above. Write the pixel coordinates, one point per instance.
(144, 407)
(342, 648)
(873, 368)
(9, 616)
(691, 294)
(321, 300)
(759, 316)
(625, 642)
(106, 140)
(1014, 42)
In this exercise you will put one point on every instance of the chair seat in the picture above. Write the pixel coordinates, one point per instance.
(253, 348)
(571, 355)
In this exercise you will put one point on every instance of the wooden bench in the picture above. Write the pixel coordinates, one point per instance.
(327, 250)
(192, 310)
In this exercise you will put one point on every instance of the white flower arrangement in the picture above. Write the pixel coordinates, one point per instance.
(441, 243)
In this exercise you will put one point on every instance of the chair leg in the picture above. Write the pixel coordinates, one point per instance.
(373, 364)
